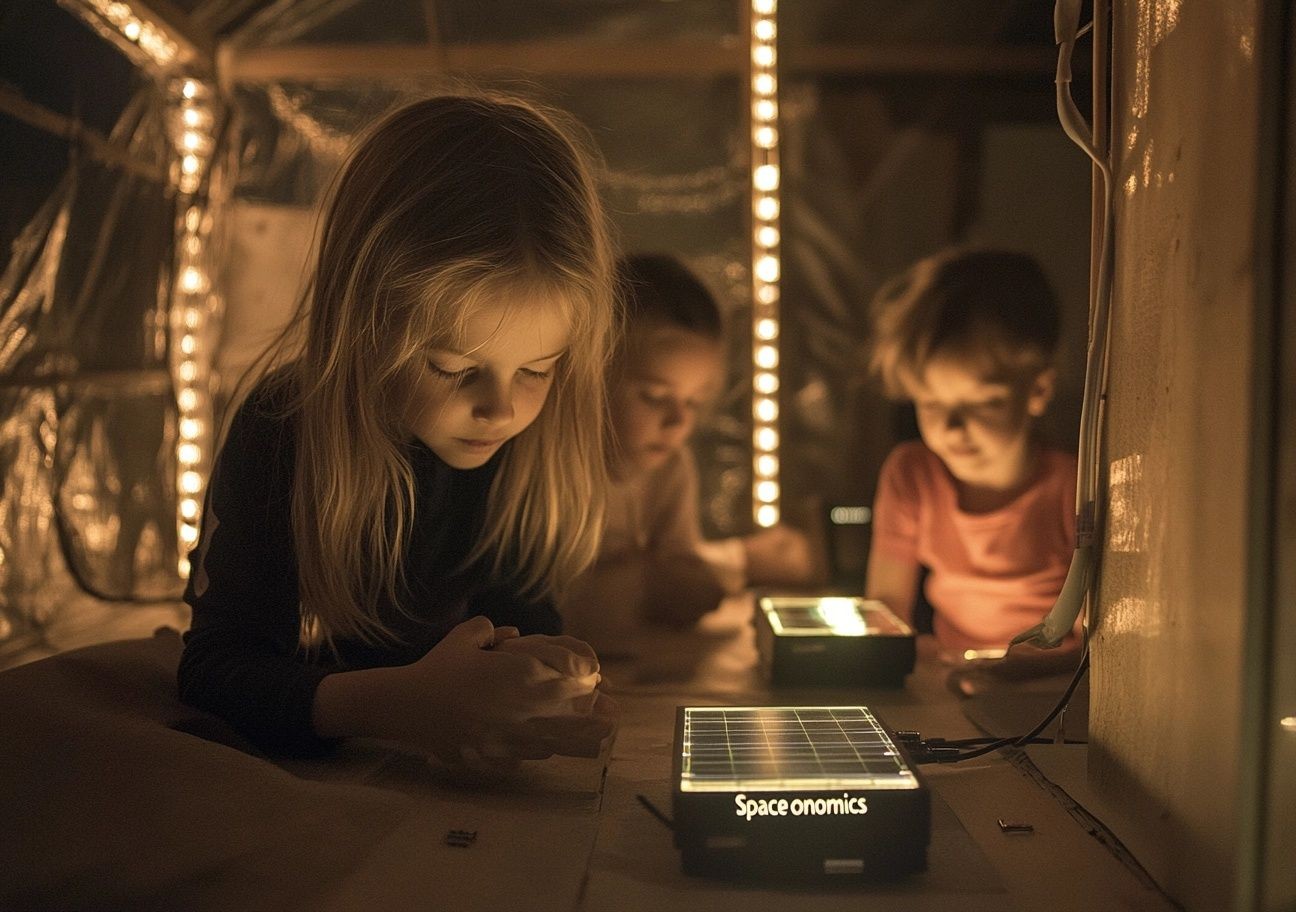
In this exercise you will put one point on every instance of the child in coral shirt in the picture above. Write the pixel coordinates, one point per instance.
(969, 336)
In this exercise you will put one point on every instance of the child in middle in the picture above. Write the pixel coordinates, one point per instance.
(652, 566)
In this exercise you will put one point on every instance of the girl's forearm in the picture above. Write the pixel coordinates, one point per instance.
(352, 704)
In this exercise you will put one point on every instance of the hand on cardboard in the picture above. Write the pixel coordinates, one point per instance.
(484, 692)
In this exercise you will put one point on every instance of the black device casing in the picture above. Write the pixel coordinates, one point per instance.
(888, 842)
(832, 661)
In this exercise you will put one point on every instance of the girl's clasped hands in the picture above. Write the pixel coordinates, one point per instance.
(485, 696)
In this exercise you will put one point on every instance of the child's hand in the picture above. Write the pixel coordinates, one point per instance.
(781, 555)
(470, 697)
(566, 655)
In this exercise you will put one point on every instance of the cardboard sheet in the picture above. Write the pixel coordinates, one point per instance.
(115, 795)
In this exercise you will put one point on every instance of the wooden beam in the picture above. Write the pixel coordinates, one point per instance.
(920, 60)
(663, 59)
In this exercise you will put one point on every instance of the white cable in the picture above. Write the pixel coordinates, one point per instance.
(1070, 602)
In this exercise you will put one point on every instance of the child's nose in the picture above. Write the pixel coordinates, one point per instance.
(673, 415)
(494, 403)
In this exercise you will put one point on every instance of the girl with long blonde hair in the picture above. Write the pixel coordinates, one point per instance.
(418, 474)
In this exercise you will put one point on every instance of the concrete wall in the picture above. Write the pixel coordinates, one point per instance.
(1167, 675)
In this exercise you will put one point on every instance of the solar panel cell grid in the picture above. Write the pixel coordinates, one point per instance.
(788, 747)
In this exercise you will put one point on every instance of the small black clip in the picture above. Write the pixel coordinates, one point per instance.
(460, 839)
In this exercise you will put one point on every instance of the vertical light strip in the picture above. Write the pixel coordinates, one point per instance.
(766, 265)
(190, 122)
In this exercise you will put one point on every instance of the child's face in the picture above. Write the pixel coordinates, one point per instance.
(979, 428)
(470, 400)
(667, 377)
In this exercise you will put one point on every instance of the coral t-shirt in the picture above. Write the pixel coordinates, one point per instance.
(993, 574)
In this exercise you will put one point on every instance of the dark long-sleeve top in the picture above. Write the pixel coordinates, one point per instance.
(242, 659)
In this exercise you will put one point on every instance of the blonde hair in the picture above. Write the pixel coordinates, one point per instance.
(992, 309)
(445, 204)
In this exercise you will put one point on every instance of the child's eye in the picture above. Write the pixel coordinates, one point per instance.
(990, 406)
(536, 374)
(449, 374)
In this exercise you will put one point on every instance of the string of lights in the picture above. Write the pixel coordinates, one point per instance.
(191, 119)
(766, 267)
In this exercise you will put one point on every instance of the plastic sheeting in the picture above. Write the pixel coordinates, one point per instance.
(87, 412)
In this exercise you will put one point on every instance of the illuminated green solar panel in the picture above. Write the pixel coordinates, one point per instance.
(788, 748)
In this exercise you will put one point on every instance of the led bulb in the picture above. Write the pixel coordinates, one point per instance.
(765, 110)
(767, 439)
(765, 410)
(192, 280)
(767, 294)
(767, 466)
(767, 208)
(765, 383)
(763, 55)
(767, 236)
(765, 137)
(767, 269)
(767, 515)
(766, 178)
(767, 491)
(767, 329)
(764, 29)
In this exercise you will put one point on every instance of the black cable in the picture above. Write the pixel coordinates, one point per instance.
(652, 809)
(1066, 697)
(939, 750)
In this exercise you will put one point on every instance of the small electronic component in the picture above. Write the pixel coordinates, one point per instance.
(795, 792)
(831, 640)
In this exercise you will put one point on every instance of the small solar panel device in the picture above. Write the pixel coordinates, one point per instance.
(795, 793)
(831, 640)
